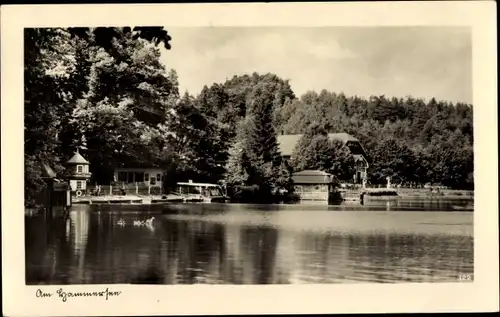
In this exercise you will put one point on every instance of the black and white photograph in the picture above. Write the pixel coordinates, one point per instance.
(163, 154)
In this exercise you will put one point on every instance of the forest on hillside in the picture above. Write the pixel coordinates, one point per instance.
(105, 92)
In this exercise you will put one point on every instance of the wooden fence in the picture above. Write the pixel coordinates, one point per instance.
(124, 189)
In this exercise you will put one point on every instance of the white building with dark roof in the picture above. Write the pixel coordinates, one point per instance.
(288, 142)
(78, 168)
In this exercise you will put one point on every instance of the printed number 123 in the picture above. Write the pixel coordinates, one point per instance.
(465, 277)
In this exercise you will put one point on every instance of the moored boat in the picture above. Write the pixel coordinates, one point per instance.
(200, 192)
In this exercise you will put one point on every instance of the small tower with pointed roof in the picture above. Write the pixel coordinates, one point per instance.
(78, 168)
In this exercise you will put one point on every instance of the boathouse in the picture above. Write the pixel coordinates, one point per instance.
(56, 193)
(314, 185)
(288, 142)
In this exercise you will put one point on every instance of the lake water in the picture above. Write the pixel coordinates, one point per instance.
(381, 242)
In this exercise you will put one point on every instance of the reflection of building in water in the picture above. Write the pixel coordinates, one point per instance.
(80, 224)
(68, 230)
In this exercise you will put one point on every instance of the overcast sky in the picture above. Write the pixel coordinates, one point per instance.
(419, 61)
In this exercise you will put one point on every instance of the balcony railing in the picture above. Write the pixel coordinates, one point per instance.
(81, 174)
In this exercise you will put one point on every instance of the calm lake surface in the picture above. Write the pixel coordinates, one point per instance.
(381, 242)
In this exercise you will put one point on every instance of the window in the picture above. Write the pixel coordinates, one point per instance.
(79, 168)
(215, 191)
(360, 163)
(158, 177)
(153, 181)
(78, 185)
(122, 176)
(139, 176)
(146, 177)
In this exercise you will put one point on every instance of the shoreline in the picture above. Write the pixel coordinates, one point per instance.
(401, 194)
(417, 197)
(352, 197)
(137, 200)
(126, 199)
(414, 193)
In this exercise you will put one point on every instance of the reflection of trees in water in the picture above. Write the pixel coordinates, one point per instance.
(117, 254)
(320, 256)
(329, 258)
(212, 253)
(419, 258)
(259, 245)
(194, 251)
(202, 251)
(46, 250)
(209, 252)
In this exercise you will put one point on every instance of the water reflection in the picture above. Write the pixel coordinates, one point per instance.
(79, 230)
(244, 244)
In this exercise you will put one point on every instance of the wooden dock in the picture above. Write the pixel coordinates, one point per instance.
(360, 195)
(126, 200)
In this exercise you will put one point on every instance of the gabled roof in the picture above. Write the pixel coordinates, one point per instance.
(357, 157)
(47, 171)
(313, 177)
(345, 137)
(78, 159)
(360, 157)
(288, 142)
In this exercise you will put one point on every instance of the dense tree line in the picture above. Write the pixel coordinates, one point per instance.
(105, 92)
(102, 90)
(412, 140)
(316, 151)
